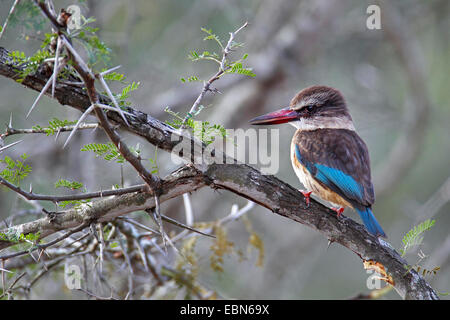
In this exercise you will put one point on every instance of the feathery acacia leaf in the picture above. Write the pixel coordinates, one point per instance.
(414, 236)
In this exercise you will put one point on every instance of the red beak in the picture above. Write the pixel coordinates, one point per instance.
(277, 117)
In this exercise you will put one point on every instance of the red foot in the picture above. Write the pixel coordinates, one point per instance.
(307, 195)
(338, 211)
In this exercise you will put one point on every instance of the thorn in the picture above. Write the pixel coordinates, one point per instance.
(31, 255)
(111, 96)
(55, 66)
(45, 88)
(109, 70)
(40, 254)
(10, 145)
(329, 243)
(215, 90)
(4, 270)
(57, 134)
(84, 115)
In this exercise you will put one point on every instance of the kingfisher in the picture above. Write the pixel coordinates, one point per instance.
(328, 156)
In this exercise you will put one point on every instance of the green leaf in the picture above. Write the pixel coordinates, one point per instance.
(414, 236)
(75, 203)
(15, 171)
(237, 67)
(212, 36)
(54, 125)
(73, 185)
(125, 94)
(193, 55)
(107, 151)
(114, 76)
(31, 63)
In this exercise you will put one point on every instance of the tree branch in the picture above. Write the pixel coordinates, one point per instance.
(184, 180)
(83, 196)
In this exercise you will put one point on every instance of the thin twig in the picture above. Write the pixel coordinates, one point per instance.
(220, 72)
(227, 48)
(103, 73)
(96, 296)
(44, 246)
(102, 247)
(83, 196)
(3, 270)
(11, 11)
(83, 126)
(187, 227)
(157, 216)
(9, 290)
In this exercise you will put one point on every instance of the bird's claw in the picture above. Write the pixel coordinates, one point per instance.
(307, 195)
(338, 211)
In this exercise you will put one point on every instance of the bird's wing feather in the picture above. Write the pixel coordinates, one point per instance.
(338, 159)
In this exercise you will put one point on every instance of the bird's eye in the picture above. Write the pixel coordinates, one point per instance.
(310, 108)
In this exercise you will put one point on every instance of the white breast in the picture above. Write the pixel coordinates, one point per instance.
(304, 177)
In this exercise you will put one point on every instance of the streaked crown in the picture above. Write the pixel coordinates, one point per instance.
(320, 101)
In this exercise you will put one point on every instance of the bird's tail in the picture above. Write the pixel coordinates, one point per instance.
(370, 222)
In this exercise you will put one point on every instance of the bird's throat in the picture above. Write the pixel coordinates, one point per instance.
(307, 124)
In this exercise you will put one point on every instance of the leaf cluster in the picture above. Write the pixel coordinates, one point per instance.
(54, 125)
(107, 151)
(31, 64)
(15, 171)
(204, 130)
(414, 237)
(72, 185)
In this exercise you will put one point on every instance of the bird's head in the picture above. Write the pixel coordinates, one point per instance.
(316, 107)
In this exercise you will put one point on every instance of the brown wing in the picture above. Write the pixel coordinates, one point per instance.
(339, 159)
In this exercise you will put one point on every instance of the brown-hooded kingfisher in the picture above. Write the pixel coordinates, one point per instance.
(328, 156)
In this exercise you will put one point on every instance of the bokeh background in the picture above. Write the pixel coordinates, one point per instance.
(395, 81)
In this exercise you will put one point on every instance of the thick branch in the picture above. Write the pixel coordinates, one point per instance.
(181, 181)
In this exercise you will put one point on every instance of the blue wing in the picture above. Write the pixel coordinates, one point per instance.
(333, 178)
(339, 160)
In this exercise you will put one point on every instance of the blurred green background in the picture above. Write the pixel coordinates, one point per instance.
(395, 81)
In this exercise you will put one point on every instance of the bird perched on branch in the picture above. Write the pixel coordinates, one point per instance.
(328, 156)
